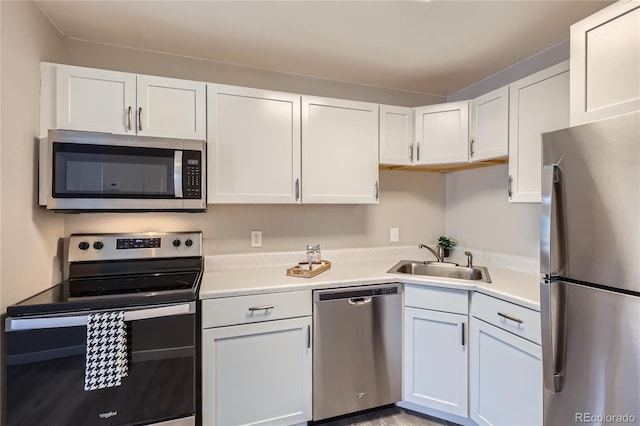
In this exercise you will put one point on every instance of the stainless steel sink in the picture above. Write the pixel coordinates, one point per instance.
(441, 269)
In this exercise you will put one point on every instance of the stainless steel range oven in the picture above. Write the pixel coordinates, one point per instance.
(116, 343)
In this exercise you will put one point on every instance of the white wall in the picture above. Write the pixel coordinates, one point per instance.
(96, 55)
(479, 215)
(477, 209)
(28, 234)
(539, 61)
(412, 201)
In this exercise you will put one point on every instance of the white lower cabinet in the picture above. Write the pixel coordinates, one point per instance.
(257, 373)
(505, 369)
(435, 351)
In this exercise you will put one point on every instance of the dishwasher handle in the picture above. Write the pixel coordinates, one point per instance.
(359, 300)
(357, 295)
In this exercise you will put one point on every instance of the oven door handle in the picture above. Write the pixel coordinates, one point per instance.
(21, 324)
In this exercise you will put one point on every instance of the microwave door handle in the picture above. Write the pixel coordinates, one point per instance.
(177, 173)
(21, 324)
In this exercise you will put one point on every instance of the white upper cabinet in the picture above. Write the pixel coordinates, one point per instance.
(489, 128)
(95, 100)
(605, 63)
(396, 135)
(122, 103)
(539, 103)
(253, 145)
(339, 151)
(442, 133)
(170, 108)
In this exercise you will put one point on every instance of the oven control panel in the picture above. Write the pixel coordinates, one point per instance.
(148, 245)
(136, 243)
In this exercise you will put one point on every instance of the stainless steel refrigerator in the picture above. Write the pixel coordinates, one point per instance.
(590, 273)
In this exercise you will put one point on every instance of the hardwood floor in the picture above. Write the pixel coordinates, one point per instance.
(387, 416)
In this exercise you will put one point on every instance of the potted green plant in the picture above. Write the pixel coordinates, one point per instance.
(446, 244)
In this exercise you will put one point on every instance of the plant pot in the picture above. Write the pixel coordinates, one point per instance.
(445, 252)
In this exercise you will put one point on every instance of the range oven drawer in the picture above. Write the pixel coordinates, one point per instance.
(47, 356)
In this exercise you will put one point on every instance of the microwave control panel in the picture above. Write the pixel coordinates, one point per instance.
(192, 174)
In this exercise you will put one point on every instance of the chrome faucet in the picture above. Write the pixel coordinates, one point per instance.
(469, 259)
(438, 256)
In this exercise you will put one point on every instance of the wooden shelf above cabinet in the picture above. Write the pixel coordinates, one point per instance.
(446, 168)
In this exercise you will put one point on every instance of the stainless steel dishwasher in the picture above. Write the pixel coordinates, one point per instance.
(357, 352)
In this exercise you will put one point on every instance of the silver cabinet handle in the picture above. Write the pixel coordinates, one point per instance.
(140, 119)
(177, 174)
(297, 189)
(553, 315)
(411, 153)
(308, 337)
(129, 118)
(509, 184)
(471, 148)
(377, 191)
(260, 308)
(509, 317)
(463, 336)
(418, 152)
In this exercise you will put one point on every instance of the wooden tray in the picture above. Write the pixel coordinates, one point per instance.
(297, 271)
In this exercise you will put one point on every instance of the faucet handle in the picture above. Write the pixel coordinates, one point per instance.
(469, 259)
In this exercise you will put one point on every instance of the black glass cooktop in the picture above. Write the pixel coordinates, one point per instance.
(110, 293)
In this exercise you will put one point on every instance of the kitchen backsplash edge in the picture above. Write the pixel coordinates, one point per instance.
(502, 260)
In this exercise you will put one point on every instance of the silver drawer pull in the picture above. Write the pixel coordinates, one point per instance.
(509, 317)
(260, 308)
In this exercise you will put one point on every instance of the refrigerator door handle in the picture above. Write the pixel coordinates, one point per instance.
(553, 326)
(552, 226)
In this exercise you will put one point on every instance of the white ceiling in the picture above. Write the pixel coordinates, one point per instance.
(435, 47)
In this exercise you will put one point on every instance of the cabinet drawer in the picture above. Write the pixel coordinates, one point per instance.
(246, 309)
(437, 299)
(513, 318)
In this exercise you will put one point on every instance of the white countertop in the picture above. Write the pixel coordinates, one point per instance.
(227, 281)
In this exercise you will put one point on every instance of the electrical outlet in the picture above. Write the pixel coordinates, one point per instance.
(394, 235)
(256, 238)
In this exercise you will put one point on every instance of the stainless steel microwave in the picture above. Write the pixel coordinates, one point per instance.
(88, 171)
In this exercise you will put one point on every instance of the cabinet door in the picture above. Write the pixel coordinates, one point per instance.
(396, 135)
(339, 151)
(253, 145)
(435, 367)
(257, 374)
(170, 108)
(506, 378)
(605, 63)
(442, 133)
(539, 104)
(95, 100)
(489, 130)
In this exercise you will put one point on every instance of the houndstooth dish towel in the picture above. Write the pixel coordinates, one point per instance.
(106, 362)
